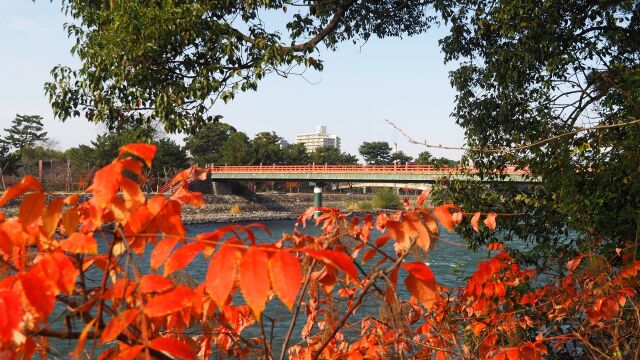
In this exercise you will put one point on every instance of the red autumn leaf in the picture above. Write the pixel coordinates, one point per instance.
(106, 183)
(51, 216)
(133, 196)
(40, 295)
(444, 216)
(161, 251)
(82, 340)
(286, 276)
(513, 354)
(368, 256)
(413, 228)
(31, 208)
(336, 259)
(184, 196)
(79, 243)
(490, 221)
(144, 151)
(170, 302)
(420, 271)
(221, 274)
(406, 204)
(154, 283)
(182, 257)
(10, 314)
(169, 219)
(173, 347)
(423, 196)
(58, 270)
(425, 292)
(28, 183)
(117, 324)
(573, 264)
(129, 352)
(475, 222)
(254, 279)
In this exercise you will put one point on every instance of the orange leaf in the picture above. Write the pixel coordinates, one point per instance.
(162, 251)
(118, 324)
(82, 340)
(133, 196)
(474, 222)
(444, 216)
(40, 295)
(169, 219)
(573, 264)
(420, 271)
(254, 279)
(70, 220)
(423, 196)
(368, 256)
(10, 314)
(144, 151)
(52, 216)
(221, 274)
(154, 283)
(337, 259)
(513, 354)
(182, 257)
(173, 347)
(28, 183)
(490, 221)
(286, 276)
(425, 292)
(79, 243)
(170, 302)
(184, 196)
(31, 208)
(106, 183)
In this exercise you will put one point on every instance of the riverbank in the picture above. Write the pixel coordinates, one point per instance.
(258, 207)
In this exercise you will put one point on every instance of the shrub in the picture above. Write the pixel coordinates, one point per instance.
(386, 198)
(365, 205)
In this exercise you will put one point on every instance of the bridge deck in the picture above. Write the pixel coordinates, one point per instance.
(369, 173)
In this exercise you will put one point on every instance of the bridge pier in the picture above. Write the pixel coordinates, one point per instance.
(318, 188)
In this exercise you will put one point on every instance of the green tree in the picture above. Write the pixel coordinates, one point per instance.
(171, 61)
(332, 156)
(81, 158)
(265, 149)
(9, 161)
(376, 152)
(386, 198)
(236, 150)
(577, 65)
(205, 145)
(424, 158)
(400, 157)
(170, 158)
(295, 154)
(25, 131)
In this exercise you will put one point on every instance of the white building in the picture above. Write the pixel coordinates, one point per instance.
(318, 139)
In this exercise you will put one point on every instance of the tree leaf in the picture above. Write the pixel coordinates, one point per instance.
(425, 292)
(28, 183)
(337, 259)
(144, 151)
(154, 283)
(444, 216)
(10, 314)
(221, 274)
(286, 276)
(423, 196)
(420, 271)
(173, 347)
(475, 222)
(37, 290)
(31, 208)
(254, 279)
(105, 185)
(118, 324)
(170, 302)
(79, 243)
(161, 251)
(51, 217)
(490, 221)
(182, 257)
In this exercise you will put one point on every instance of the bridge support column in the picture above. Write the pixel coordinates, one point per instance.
(318, 188)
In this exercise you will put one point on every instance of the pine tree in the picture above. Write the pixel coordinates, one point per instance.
(25, 131)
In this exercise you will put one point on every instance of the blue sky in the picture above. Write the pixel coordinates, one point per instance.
(403, 80)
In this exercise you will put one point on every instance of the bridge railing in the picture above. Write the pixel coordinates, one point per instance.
(427, 169)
